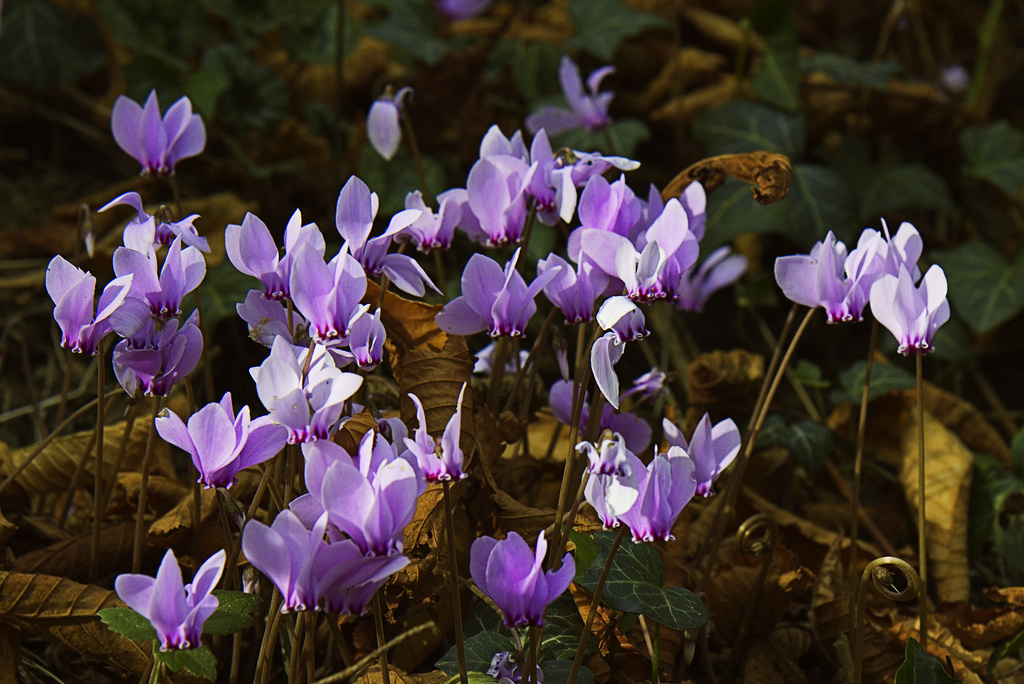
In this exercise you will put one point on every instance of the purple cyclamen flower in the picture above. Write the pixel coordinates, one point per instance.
(72, 291)
(267, 318)
(285, 552)
(912, 314)
(181, 272)
(366, 340)
(495, 211)
(511, 574)
(383, 126)
(432, 231)
(830, 278)
(158, 144)
(156, 359)
(573, 290)
(664, 487)
(585, 110)
(309, 404)
(697, 284)
(356, 210)
(711, 448)
(348, 579)
(614, 492)
(635, 431)
(373, 508)
(624, 322)
(463, 9)
(506, 670)
(177, 611)
(551, 185)
(485, 361)
(220, 443)
(252, 250)
(328, 295)
(439, 460)
(144, 231)
(493, 299)
(606, 206)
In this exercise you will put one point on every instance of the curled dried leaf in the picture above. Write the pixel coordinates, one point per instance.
(771, 173)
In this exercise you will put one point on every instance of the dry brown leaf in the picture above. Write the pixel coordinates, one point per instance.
(684, 108)
(723, 378)
(52, 469)
(775, 656)
(64, 613)
(722, 29)
(373, 676)
(7, 529)
(771, 173)
(686, 66)
(976, 627)
(967, 664)
(10, 654)
(70, 558)
(948, 466)
(830, 601)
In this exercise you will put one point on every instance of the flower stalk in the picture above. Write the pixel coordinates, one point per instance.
(592, 612)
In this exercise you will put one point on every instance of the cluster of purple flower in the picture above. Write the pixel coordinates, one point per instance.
(881, 270)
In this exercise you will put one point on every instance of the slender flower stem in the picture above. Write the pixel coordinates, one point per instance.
(592, 612)
(266, 656)
(656, 662)
(154, 673)
(122, 451)
(453, 577)
(295, 662)
(97, 494)
(257, 499)
(739, 468)
(414, 147)
(309, 645)
(65, 388)
(531, 658)
(176, 192)
(531, 219)
(502, 350)
(922, 499)
(378, 619)
(439, 272)
(348, 672)
(197, 518)
(878, 573)
(530, 365)
(858, 460)
(140, 516)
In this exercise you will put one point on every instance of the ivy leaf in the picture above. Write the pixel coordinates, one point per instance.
(256, 97)
(480, 648)
(808, 441)
(848, 70)
(585, 553)
(602, 24)
(902, 186)
(563, 631)
(996, 494)
(777, 81)
(558, 671)
(741, 126)
(43, 44)
(885, 379)
(634, 585)
(199, 661)
(233, 613)
(127, 623)
(808, 374)
(819, 200)
(995, 154)
(171, 32)
(985, 289)
(411, 25)
(920, 667)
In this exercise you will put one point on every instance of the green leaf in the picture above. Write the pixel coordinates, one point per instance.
(602, 24)
(309, 29)
(171, 31)
(903, 186)
(818, 201)
(985, 289)
(257, 96)
(777, 81)
(43, 44)
(586, 552)
(620, 137)
(808, 441)
(995, 154)
(233, 613)
(223, 287)
(741, 126)
(204, 88)
(885, 378)
(535, 69)
(1017, 452)
(563, 630)
(808, 374)
(634, 585)
(558, 671)
(393, 180)
(1014, 643)
(199, 661)
(480, 648)
(127, 623)
(920, 667)
(848, 70)
(471, 677)
(411, 26)
(995, 493)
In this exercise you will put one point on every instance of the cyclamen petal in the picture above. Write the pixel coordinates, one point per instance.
(157, 144)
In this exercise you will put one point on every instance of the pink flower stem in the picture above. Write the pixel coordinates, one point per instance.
(453, 578)
(140, 515)
(862, 425)
(592, 612)
(97, 515)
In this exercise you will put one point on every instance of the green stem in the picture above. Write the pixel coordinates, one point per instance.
(414, 147)
(656, 664)
(531, 658)
(453, 577)
(986, 40)
(97, 495)
(921, 536)
(378, 619)
(858, 460)
(592, 613)
(140, 515)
